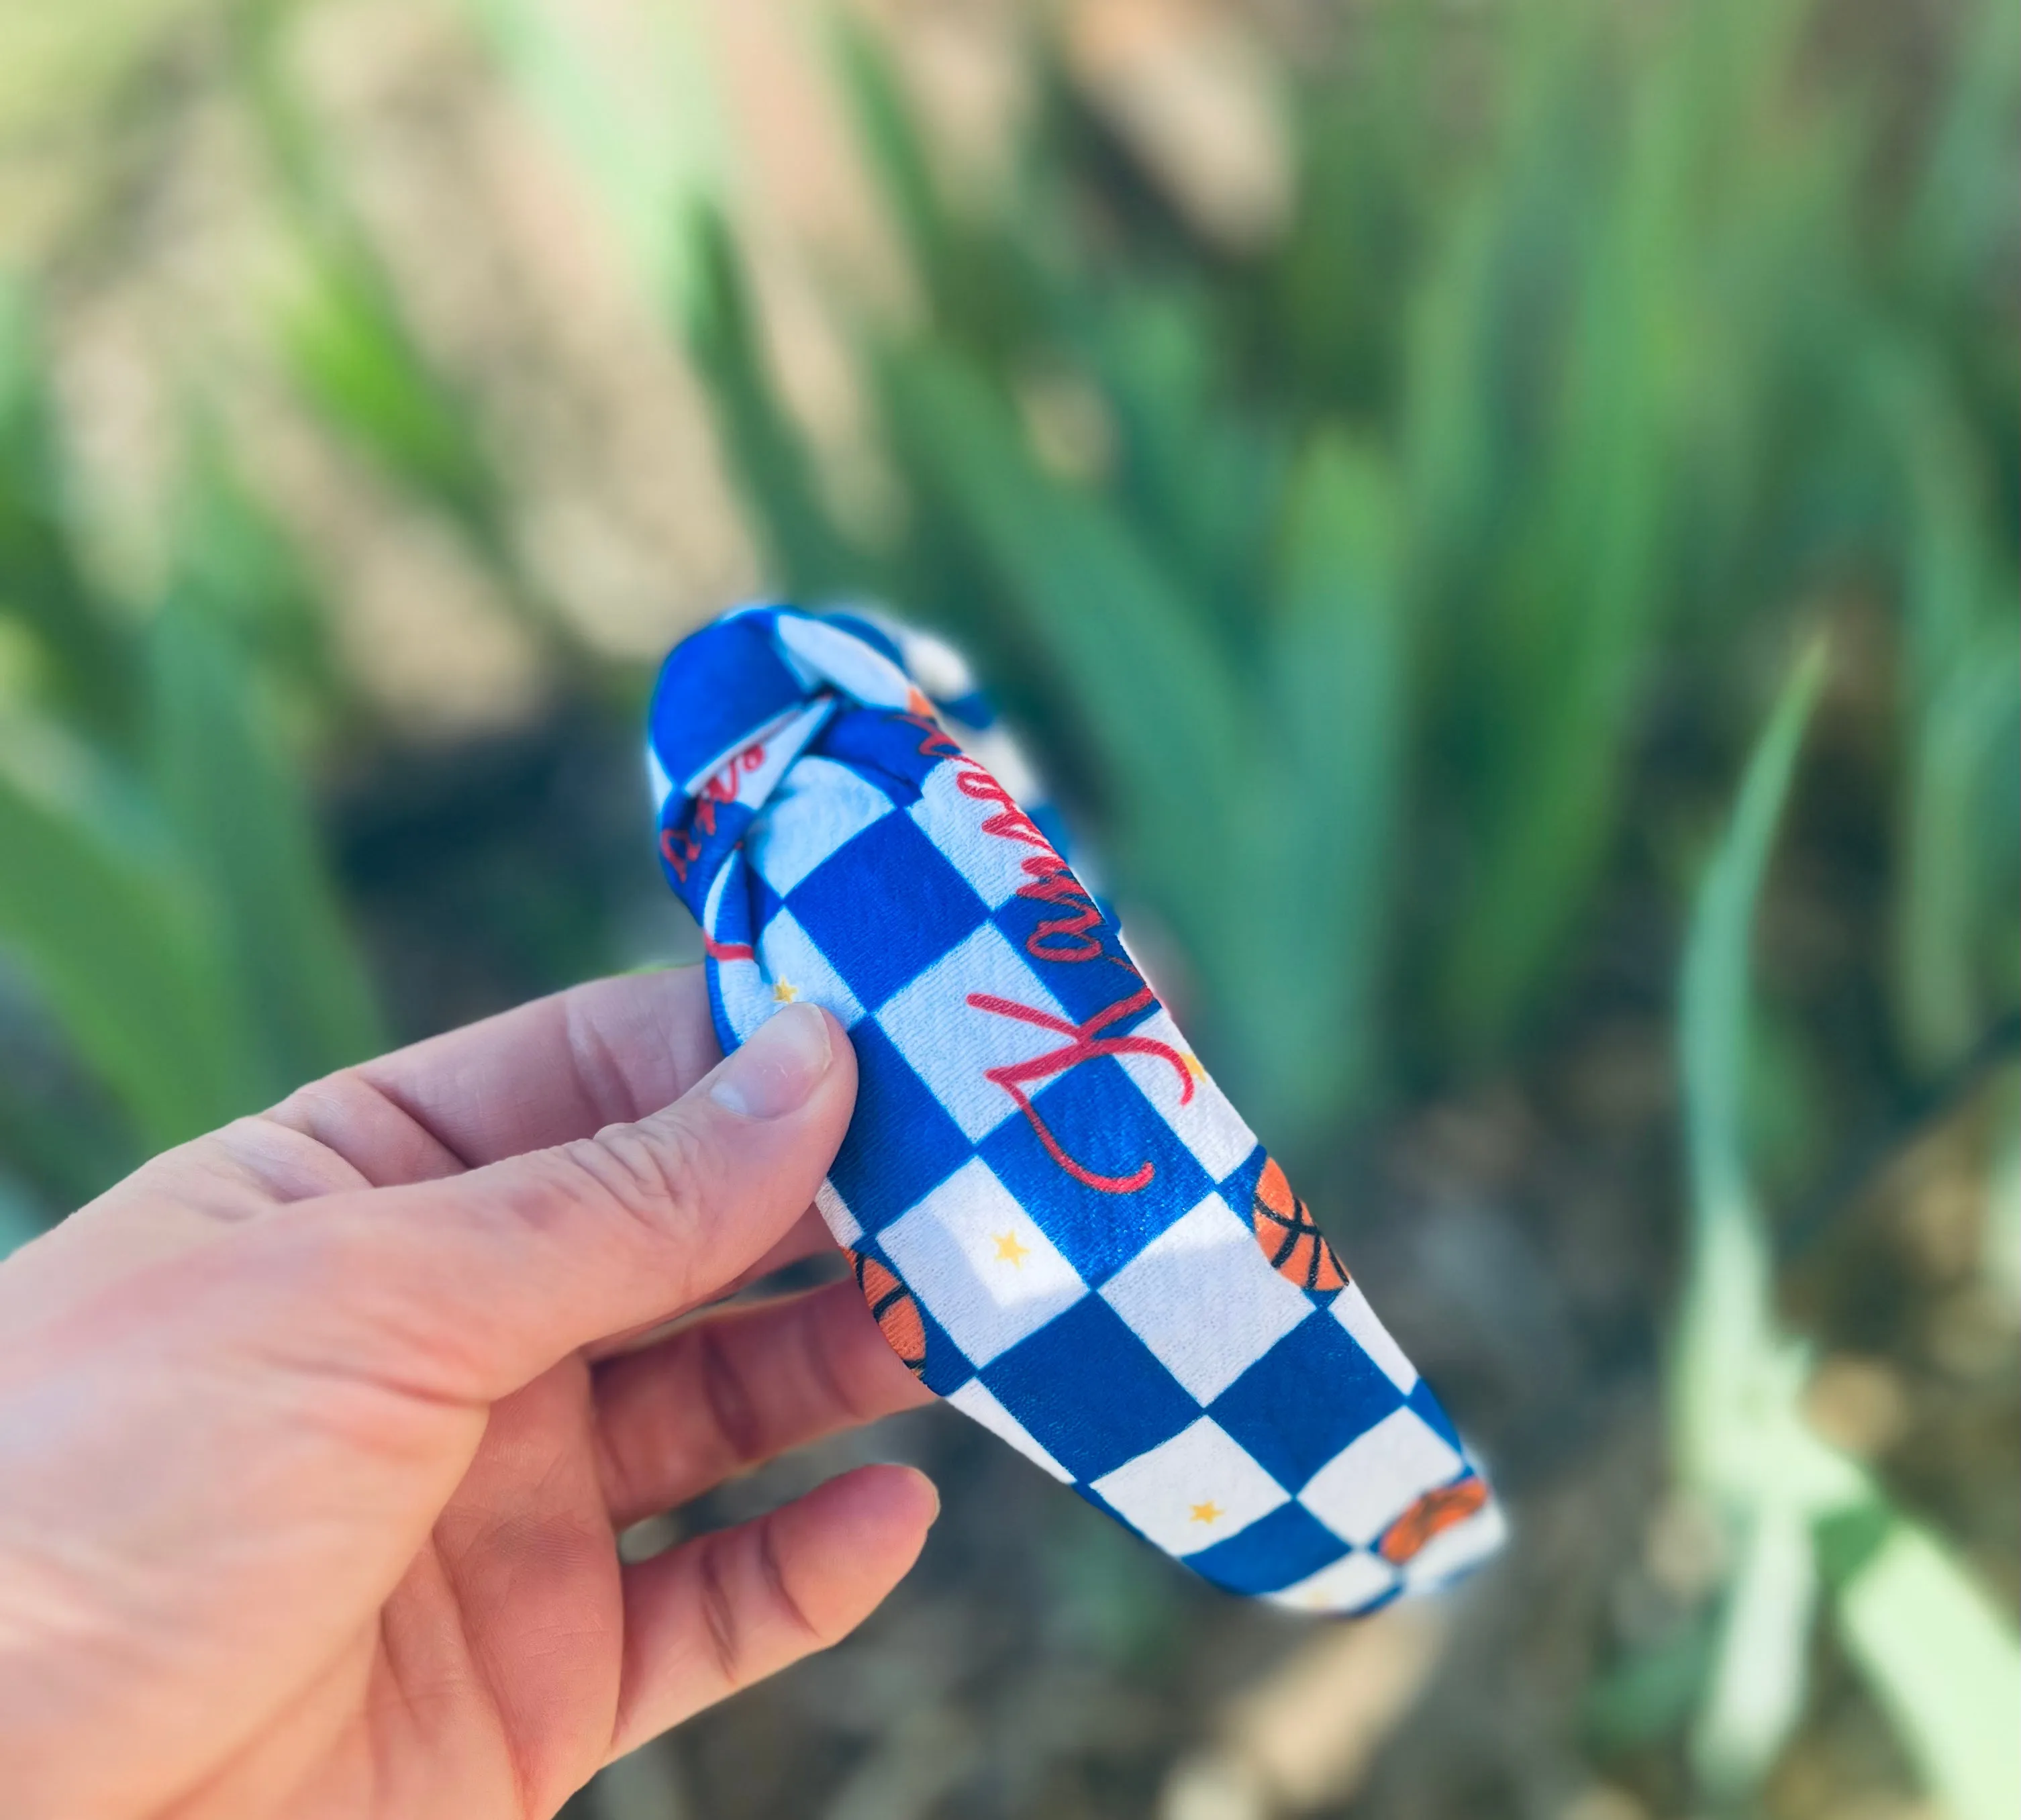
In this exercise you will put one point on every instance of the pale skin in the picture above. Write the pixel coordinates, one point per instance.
(317, 1434)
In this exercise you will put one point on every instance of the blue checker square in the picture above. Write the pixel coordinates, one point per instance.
(884, 906)
(714, 689)
(1044, 1380)
(766, 903)
(884, 746)
(736, 922)
(1274, 1552)
(972, 710)
(1427, 1408)
(1086, 986)
(901, 1145)
(1290, 1433)
(1238, 1187)
(872, 634)
(1107, 1129)
(947, 1367)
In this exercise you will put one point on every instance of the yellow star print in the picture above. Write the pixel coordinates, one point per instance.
(1009, 1251)
(785, 992)
(1207, 1513)
(1193, 1066)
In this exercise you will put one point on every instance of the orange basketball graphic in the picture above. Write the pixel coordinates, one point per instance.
(1297, 1249)
(1435, 1511)
(892, 1307)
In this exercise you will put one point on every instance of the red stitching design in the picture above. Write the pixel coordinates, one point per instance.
(936, 744)
(1049, 879)
(723, 786)
(1084, 1045)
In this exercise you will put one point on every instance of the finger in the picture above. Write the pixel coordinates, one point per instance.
(563, 1067)
(467, 1287)
(806, 1237)
(737, 1387)
(725, 1610)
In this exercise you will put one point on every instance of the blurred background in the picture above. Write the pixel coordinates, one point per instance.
(1499, 519)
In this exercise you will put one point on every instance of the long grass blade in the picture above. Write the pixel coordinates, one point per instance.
(118, 945)
(1339, 730)
(1945, 1666)
(1734, 1380)
(811, 558)
(230, 792)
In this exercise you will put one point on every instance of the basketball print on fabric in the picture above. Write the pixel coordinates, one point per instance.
(1296, 1248)
(892, 1307)
(1437, 1511)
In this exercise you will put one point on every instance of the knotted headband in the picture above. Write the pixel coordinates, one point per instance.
(1059, 1222)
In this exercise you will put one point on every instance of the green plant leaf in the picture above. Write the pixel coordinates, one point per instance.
(903, 168)
(1945, 1663)
(1960, 718)
(812, 559)
(117, 944)
(1946, 1667)
(348, 347)
(976, 283)
(85, 670)
(638, 110)
(1324, 821)
(1159, 704)
(239, 815)
(1726, 1320)
(1735, 1381)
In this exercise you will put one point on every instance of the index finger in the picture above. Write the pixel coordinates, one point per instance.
(605, 1053)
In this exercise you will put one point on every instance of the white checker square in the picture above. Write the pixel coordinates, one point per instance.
(821, 805)
(747, 999)
(1203, 1297)
(1351, 1309)
(842, 1226)
(993, 864)
(948, 1041)
(979, 1260)
(1377, 1477)
(1349, 1584)
(940, 668)
(1453, 1551)
(658, 781)
(798, 970)
(1197, 1489)
(1204, 1121)
(975, 1401)
(836, 655)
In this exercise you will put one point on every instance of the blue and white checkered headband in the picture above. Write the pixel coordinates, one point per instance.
(1059, 1222)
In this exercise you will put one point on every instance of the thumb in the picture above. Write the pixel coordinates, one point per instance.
(469, 1287)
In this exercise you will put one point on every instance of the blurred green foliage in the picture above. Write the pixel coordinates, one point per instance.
(1599, 347)
(164, 890)
(1801, 1517)
(1394, 595)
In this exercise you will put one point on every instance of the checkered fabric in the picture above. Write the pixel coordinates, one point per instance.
(1059, 1222)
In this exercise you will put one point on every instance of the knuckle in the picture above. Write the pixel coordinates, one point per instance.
(821, 1341)
(731, 1412)
(785, 1608)
(719, 1612)
(655, 1178)
(752, 1619)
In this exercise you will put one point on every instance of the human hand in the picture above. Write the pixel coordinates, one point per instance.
(316, 1434)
